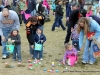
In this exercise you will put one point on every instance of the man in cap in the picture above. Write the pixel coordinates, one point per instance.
(73, 19)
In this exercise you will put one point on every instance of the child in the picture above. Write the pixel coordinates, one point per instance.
(15, 38)
(70, 55)
(40, 39)
(95, 7)
(58, 16)
(98, 12)
(89, 11)
(75, 38)
(53, 7)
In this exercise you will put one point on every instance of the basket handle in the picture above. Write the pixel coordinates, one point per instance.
(10, 43)
(38, 41)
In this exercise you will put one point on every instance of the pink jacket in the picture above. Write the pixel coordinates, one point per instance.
(45, 2)
(89, 14)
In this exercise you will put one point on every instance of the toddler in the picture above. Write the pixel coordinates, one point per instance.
(15, 38)
(70, 55)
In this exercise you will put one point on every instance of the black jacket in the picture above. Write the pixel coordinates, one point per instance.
(59, 10)
(74, 17)
(16, 38)
(31, 4)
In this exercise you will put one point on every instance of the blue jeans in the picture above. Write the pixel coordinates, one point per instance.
(88, 54)
(40, 53)
(33, 13)
(17, 52)
(31, 50)
(58, 19)
(76, 44)
(6, 32)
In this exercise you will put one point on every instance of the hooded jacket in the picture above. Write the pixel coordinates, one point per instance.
(17, 38)
(31, 4)
(38, 38)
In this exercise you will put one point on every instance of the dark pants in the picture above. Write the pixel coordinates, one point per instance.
(68, 33)
(58, 19)
(76, 44)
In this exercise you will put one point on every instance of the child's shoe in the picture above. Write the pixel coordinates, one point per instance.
(41, 59)
(13, 59)
(19, 60)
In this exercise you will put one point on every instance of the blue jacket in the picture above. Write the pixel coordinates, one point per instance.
(94, 27)
(53, 6)
(68, 11)
(31, 4)
(38, 39)
(14, 2)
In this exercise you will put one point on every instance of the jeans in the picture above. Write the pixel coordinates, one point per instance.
(76, 44)
(33, 13)
(36, 52)
(88, 54)
(17, 52)
(6, 32)
(31, 50)
(58, 19)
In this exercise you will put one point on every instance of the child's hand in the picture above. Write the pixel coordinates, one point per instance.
(67, 19)
(72, 29)
(64, 62)
(9, 40)
(41, 40)
(12, 40)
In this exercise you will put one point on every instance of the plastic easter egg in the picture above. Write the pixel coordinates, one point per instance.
(39, 63)
(57, 70)
(45, 69)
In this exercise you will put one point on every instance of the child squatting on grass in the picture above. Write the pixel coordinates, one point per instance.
(15, 38)
(70, 55)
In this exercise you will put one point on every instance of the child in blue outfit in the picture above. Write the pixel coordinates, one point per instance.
(40, 39)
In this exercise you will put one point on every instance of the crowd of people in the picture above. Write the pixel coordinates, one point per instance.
(79, 22)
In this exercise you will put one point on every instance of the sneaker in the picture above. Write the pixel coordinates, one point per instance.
(83, 62)
(13, 59)
(78, 51)
(91, 63)
(41, 59)
(19, 60)
(4, 56)
(35, 59)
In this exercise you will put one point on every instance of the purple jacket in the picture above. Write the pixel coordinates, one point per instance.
(70, 52)
(74, 34)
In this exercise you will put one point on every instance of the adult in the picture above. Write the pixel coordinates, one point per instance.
(73, 19)
(31, 27)
(87, 25)
(32, 7)
(8, 20)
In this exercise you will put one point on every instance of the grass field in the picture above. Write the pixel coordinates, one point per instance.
(53, 52)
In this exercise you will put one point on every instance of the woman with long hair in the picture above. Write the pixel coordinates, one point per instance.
(86, 26)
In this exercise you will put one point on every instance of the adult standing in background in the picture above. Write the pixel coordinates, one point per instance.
(32, 7)
(8, 20)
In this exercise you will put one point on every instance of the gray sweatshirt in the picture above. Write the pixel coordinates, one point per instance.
(4, 23)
